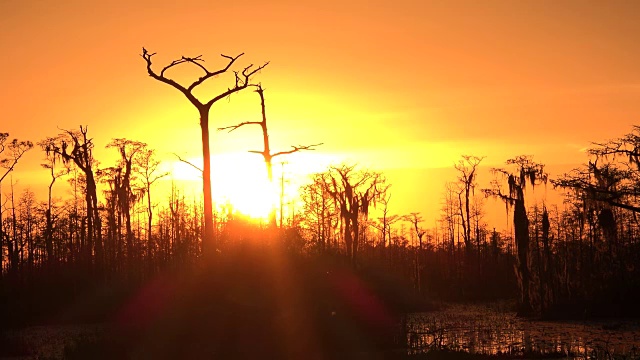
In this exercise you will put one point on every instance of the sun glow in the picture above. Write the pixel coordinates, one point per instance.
(238, 179)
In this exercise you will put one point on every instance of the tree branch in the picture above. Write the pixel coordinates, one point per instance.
(232, 128)
(242, 81)
(147, 57)
(296, 149)
(189, 163)
(209, 74)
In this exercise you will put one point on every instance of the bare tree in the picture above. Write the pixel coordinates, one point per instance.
(449, 216)
(128, 150)
(10, 154)
(242, 80)
(320, 215)
(612, 178)
(386, 220)
(14, 151)
(467, 167)
(50, 165)
(415, 219)
(354, 192)
(266, 152)
(147, 166)
(77, 148)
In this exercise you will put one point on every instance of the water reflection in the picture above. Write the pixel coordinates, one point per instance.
(485, 330)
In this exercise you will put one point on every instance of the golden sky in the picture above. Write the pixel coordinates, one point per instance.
(402, 86)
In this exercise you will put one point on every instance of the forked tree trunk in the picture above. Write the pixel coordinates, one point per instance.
(242, 80)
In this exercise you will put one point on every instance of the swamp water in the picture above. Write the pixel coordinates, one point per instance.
(495, 331)
(472, 328)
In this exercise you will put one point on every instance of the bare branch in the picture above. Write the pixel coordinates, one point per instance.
(209, 74)
(241, 82)
(189, 163)
(296, 149)
(232, 128)
(147, 57)
(16, 149)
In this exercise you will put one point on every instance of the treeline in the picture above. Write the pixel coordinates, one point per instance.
(579, 259)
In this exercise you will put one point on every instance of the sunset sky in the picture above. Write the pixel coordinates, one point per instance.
(404, 87)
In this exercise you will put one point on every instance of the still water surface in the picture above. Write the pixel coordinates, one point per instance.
(493, 330)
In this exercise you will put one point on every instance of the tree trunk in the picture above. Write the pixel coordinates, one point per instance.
(268, 158)
(356, 237)
(89, 239)
(95, 243)
(348, 239)
(208, 237)
(15, 258)
(521, 226)
(149, 224)
(49, 230)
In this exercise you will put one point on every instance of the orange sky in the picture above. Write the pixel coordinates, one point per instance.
(402, 86)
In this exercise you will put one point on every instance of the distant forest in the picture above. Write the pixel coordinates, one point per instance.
(581, 259)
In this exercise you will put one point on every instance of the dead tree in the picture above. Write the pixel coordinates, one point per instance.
(319, 214)
(50, 165)
(467, 175)
(242, 80)
(385, 221)
(527, 172)
(75, 147)
(14, 151)
(10, 154)
(147, 167)
(266, 152)
(415, 219)
(128, 150)
(611, 180)
(354, 192)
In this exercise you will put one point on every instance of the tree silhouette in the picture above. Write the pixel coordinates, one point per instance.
(12, 151)
(242, 80)
(467, 167)
(266, 152)
(386, 221)
(354, 192)
(128, 150)
(320, 214)
(77, 148)
(527, 172)
(147, 167)
(415, 219)
(613, 177)
(50, 164)
(10, 154)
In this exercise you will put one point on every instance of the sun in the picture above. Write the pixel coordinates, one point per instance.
(238, 179)
(241, 180)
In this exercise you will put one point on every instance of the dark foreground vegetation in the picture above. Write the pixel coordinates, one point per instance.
(276, 303)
